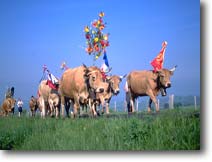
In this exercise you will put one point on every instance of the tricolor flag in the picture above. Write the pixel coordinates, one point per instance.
(157, 63)
(105, 65)
(105, 59)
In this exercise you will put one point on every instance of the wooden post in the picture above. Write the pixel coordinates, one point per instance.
(171, 101)
(159, 104)
(195, 102)
(125, 106)
(147, 104)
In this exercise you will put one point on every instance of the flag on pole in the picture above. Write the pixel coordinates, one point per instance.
(157, 63)
(105, 59)
(105, 65)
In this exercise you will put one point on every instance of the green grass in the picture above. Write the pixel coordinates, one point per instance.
(170, 130)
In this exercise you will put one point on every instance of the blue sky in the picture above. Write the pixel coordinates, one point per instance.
(34, 33)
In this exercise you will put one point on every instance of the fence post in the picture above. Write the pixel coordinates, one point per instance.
(115, 106)
(195, 102)
(137, 105)
(159, 104)
(125, 106)
(171, 101)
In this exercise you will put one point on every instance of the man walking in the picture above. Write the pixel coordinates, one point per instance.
(20, 105)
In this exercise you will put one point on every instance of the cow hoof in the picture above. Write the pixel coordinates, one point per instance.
(98, 114)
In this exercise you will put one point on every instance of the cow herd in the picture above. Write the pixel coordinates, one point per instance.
(87, 87)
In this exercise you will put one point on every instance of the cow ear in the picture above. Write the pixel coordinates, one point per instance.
(86, 70)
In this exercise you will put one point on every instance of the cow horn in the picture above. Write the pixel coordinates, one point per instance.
(123, 76)
(173, 69)
(84, 65)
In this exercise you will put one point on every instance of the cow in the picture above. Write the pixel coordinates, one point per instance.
(111, 89)
(33, 105)
(78, 85)
(147, 83)
(49, 99)
(8, 106)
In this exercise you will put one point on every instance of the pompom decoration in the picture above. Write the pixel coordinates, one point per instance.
(96, 40)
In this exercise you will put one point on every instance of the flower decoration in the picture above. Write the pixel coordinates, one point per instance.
(96, 40)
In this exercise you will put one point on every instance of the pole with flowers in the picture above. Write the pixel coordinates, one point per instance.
(96, 40)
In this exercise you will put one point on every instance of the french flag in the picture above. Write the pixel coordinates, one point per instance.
(105, 66)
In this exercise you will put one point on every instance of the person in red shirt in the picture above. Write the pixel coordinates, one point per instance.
(157, 64)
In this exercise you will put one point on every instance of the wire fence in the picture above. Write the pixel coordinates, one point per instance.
(168, 102)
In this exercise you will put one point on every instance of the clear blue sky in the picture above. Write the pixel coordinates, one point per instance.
(37, 32)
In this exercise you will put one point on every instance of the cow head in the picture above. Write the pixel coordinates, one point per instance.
(33, 104)
(94, 79)
(164, 77)
(114, 82)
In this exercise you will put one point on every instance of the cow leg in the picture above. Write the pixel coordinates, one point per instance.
(107, 106)
(43, 110)
(76, 106)
(33, 113)
(132, 101)
(128, 96)
(103, 104)
(67, 106)
(154, 99)
(51, 105)
(149, 106)
(13, 111)
(58, 111)
(92, 107)
(63, 106)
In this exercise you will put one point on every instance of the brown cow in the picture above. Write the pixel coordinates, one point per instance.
(111, 88)
(78, 84)
(8, 106)
(147, 83)
(33, 105)
(49, 100)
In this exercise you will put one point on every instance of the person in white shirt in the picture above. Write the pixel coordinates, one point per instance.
(20, 105)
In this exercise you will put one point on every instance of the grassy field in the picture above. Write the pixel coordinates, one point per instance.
(169, 130)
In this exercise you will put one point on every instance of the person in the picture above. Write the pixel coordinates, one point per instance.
(10, 93)
(157, 64)
(20, 105)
